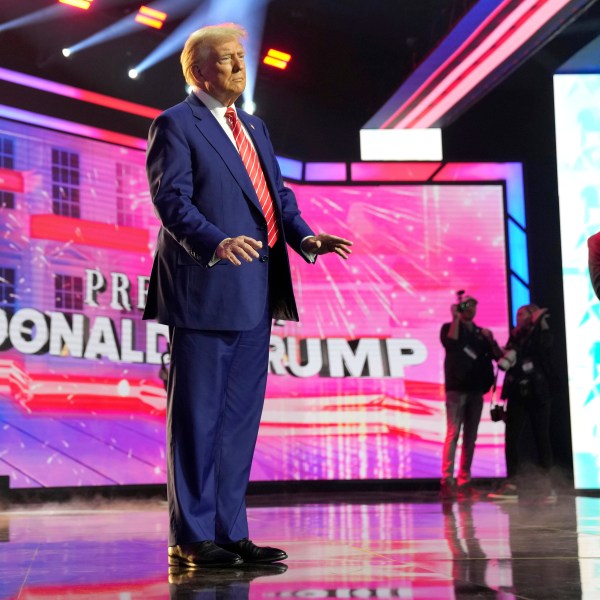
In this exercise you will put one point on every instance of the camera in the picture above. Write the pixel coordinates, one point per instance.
(508, 359)
(497, 413)
(461, 305)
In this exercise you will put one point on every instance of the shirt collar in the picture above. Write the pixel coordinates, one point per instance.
(215, 107)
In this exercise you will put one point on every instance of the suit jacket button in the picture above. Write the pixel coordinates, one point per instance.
(264, 258)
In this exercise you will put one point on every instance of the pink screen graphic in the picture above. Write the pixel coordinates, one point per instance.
(355, 389)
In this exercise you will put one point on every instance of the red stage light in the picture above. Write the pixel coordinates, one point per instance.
(83, 4)
(276, 58)
(151, 17)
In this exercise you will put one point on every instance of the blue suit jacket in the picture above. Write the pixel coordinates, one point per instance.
(202, 194)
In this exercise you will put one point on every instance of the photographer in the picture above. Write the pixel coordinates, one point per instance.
(468, 375)
(527, 391)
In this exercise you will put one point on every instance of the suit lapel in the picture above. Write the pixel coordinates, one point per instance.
(217, 138)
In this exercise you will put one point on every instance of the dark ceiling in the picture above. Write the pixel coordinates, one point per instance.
(349, 56)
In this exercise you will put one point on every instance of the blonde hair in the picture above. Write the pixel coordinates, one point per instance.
(198, 46)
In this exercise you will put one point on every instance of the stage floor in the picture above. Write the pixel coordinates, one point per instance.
(368, 546)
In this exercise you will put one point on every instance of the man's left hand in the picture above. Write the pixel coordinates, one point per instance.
(325, 243)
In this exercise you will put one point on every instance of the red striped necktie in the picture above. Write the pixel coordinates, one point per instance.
(252, 164)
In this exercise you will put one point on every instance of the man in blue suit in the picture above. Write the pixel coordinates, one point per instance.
(220, 275)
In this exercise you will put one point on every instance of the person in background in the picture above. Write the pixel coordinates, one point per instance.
(527, 391)
(468, 375)
(594, 262)
(221, 273)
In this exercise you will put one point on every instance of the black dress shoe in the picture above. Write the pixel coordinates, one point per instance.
(251, 553)
(202, 554)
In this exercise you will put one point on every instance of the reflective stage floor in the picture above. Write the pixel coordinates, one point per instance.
(368, 546)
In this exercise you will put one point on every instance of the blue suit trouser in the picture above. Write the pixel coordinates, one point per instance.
(216, 389)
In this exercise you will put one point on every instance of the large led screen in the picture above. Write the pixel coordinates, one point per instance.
(355, 389)
(577, 106)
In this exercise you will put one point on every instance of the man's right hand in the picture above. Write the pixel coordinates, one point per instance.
(242, 246)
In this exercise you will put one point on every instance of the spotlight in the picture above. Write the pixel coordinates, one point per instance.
(249, 106)
(83, 4)
(66, 52)
(133, 73)
(277, 59)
